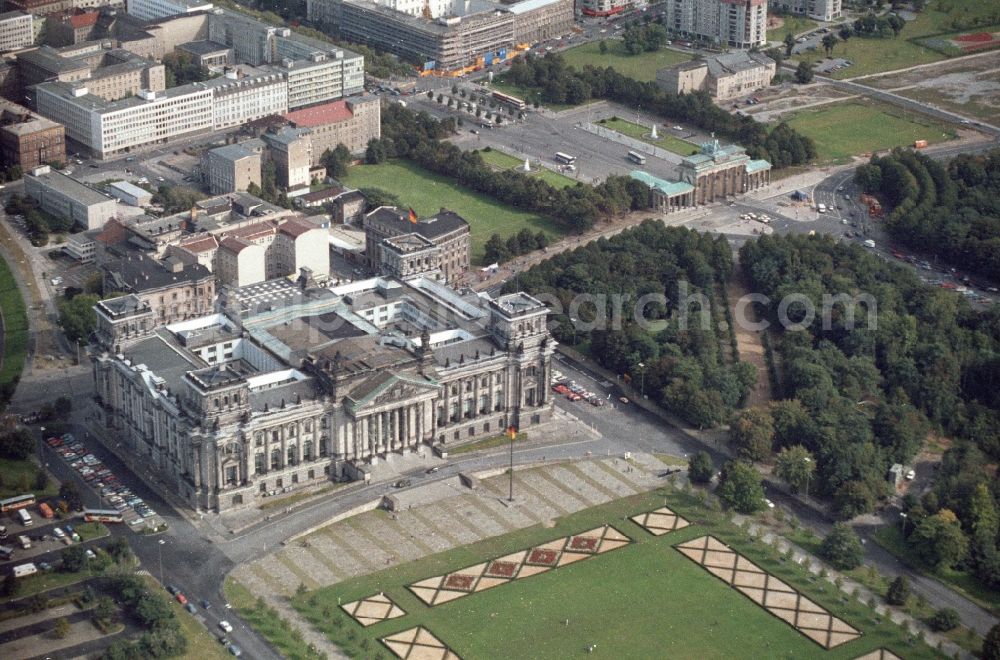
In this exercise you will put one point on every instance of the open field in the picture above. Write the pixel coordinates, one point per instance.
(791, 24)
(642, 600)
(968, 67)
(502, 161)
(641, 67)
(875, 55)
(15, 327)
(844, 130)
(427, 193)
(976, 96)
(639, 132)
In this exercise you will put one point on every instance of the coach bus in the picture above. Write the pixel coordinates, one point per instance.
(102, 515)
(509, 100)
(637, 157)
(15, 503)
(565, 159)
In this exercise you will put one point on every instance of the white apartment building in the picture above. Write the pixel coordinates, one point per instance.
(112, 127)
(734, 23)
(15, 30)
(244, 94)
(148, 10)
(820, 10)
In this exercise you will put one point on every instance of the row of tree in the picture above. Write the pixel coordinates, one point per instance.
(38, 223)
(417, 137)
(625, 299)
(561, 83)
(163, 637)
(499, 250)
(862, 385)
(951, 211)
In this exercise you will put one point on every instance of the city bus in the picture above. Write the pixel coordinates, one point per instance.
(509, 100)
(637, 157)
(102, 515)
(24, 517)
(18, 502)
(565, 159)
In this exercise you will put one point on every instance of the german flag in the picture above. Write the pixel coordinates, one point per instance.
(511, 432)
(413, 216)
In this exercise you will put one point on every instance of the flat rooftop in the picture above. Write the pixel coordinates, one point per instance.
(70, 187)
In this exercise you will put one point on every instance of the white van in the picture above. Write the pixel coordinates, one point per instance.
(821, 208)
(870, 244)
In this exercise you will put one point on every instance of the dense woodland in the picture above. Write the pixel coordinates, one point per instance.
(560, 83)
(417, 137)
(689, 372)
(951, 211)
(859, 400)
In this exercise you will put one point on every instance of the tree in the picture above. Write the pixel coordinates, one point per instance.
(753, 434)
(795, 466)
(119, 549)
(74, 559)
(41, 479)
(376, 197)
(845, 32)
(105, 610)
(789, 44)
(61, 629)
(603, 47)
(336, 161)
(829, 41)
(804, 73)
(944, 619)
(842, 547)
(898, 592)
(10, 585)
(939, 539)
(17, 445)
(991, 644)
(701, 469)
(740, 488)
(69, 492)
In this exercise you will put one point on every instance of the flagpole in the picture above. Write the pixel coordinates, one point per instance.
(511, 433)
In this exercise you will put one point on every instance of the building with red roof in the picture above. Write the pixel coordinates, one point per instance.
(351, 122)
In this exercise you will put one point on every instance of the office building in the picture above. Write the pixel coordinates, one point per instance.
(541, 20)
(233, 167)
(725, 76)
(291, 386)
(28, 140)
(208, 53)
(170, 290)
(16, 30)
(130, 194)
(149, 10)
(244, 94)
(446, 230)
(292, 153)
(67, 198)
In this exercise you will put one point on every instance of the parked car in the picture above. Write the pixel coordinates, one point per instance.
(190, 607)
(181, 598)
(225, 625)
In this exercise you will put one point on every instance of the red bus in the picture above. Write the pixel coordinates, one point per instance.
(102, 515)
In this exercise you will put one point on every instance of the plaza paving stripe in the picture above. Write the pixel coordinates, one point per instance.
(305, 559)
(568, 482)
(778, 598)
(260, 573)
(418, 527)
(444, 519)
(285, 579)
(620, 476)
(485, 525)
(358, 556)
(541, 501)
(346, 558)
(320, 556)
(569, 500)
(392, 530)
(297, 571)
(371, 547)
(493, 513)
(427, 522)
(594, 483)
(609, 479)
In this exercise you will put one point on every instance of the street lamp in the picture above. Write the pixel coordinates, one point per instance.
(159, 549)
(41, 437)
(642, 379)
(902, 514)
(808, 474)
(572, 322)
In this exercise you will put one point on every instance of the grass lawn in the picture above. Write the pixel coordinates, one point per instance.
(275, 630)
(89, 531)
(843, 130)
(273, 502)
(15, 327)
(643, 600)
(891, 538)
(16, 472)
(792, 25)
(43, 581)
(502, 161)
(427, 193)
(641, 67)
(639, 132)
(875, 55)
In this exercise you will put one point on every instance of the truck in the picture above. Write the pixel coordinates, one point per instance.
(46, 511)
(25, 570)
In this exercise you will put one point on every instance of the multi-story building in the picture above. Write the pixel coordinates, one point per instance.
(16, 30)
(239, 262)
(149, 10)
(291, 150)
(446, 230)
(72, 27)
(67, 198)
(171, 289)
(38, 7)
(724, 76)
(733, 23)
(29, 140)
(292, 386)
(111, 73)
(820, 10)
(350, 122)
(541, 20)
(106, 128)
(233, 167)
(208, 53)
(244, 94)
